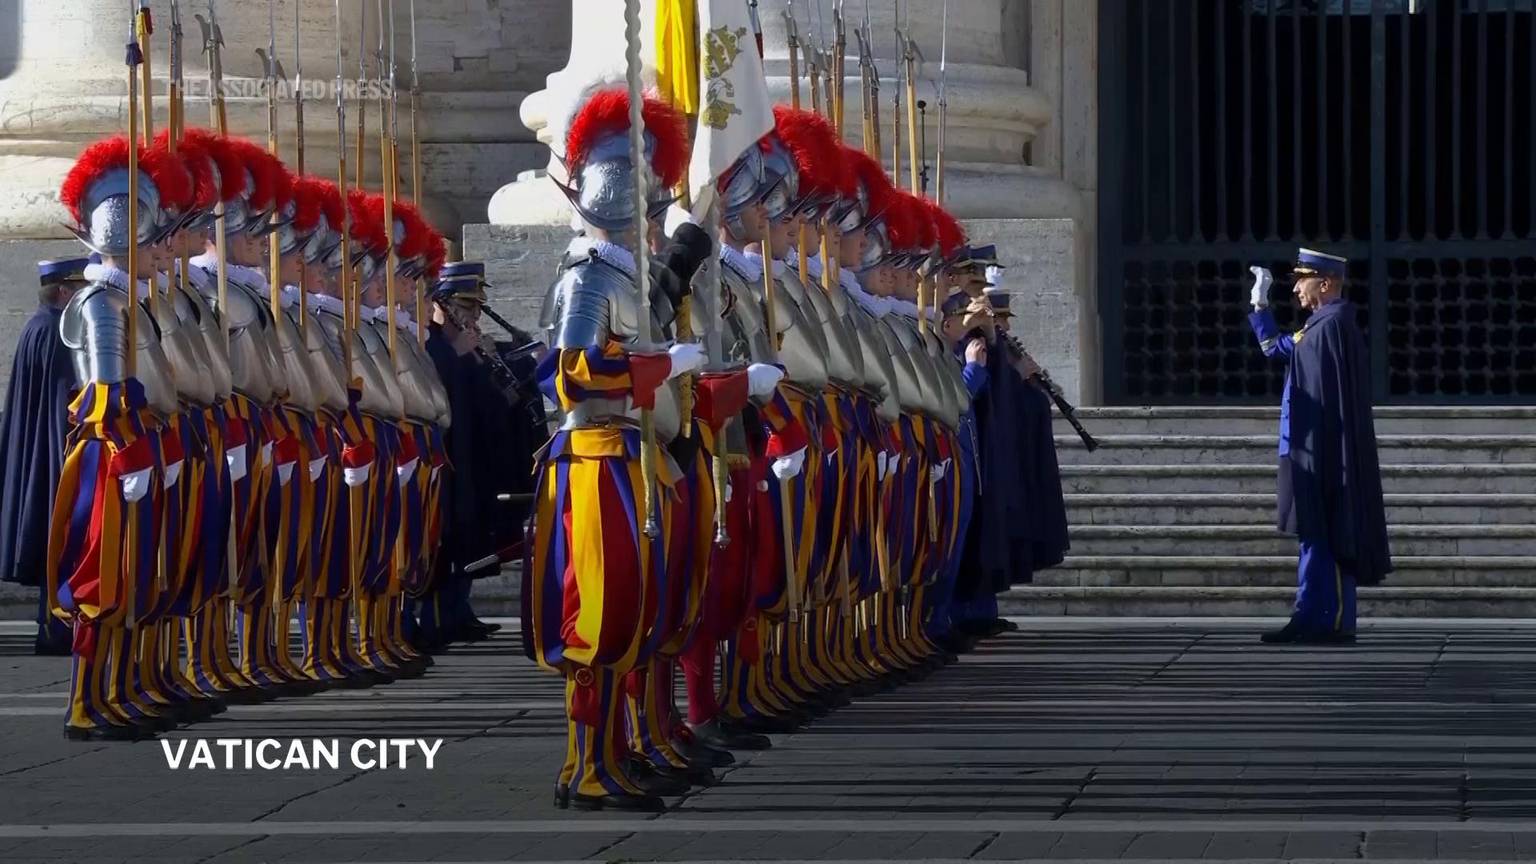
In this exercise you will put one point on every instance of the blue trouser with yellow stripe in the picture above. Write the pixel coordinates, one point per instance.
(1325, 591)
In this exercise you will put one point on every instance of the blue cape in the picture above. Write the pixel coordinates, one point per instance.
(32, 434)
(1331, 489)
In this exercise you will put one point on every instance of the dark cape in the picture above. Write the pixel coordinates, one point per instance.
(1331, 492)
(1020, 524)
(469, 490)
(32, 434)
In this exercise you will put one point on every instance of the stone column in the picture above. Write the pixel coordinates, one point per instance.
(477, 60)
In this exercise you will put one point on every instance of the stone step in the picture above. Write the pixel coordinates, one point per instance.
(1179, 571)
(1247, 601)
(1191, 450)
(1257, 420)
(1259, 509)
(1244, 540)
(1259, 478)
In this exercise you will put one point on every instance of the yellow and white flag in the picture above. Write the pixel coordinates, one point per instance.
(732, 109)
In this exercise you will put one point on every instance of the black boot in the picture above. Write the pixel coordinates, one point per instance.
(1291, 633)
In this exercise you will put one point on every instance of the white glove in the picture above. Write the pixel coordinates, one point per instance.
(789, 466)
(880, 465)
(762, 378)
(686, 357)
(236, 458)
(1261, 282)
(172, 474)
(135, 484)
(938, 471)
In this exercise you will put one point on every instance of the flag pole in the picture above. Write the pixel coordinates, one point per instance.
(632, 74)
(387, 168)
(176, 94)
(274, 245)
(298, 142)
(421, 300)
(143, 28)
(345, 276)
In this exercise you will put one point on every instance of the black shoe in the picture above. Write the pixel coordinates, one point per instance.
(1291, 632)
(652, 781)
(109, 732)
(486, 626)
(635, 803)
(687, 774)
(764, 724)
(722, 736)
(700, 753)
(562, 796)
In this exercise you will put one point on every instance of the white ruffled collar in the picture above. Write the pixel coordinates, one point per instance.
(876, 306)
(114, 276)
(748, 264)
(611, 254)
(248, 277)
(325, 303)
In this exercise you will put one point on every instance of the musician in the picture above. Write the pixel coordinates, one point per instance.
(32, 430)
(469, 547)
(968, 329)
(1036, 538)
(1329, 492)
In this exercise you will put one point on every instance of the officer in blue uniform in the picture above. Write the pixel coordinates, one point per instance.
(1329, 483)
(468, 548)
(32, 434)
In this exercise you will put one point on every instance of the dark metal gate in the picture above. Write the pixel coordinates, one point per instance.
(1398, 133)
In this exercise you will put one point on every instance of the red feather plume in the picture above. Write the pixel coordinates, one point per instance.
(271, 184)
(225, 158)
(368, 221)
(818, 155)
(922, 216)
(867, 172)
(417, 232)
(437, 254)
(901, 223)
(330, 202)
(199, 164)
(607, 113)
(307, 204)
(94, 161)
(951, 236)
(170, 176)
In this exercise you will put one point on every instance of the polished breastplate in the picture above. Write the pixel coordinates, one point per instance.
(94, 326)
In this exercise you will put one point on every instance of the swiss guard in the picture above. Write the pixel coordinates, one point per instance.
(32, 443)
(592, 596)
(105, 567)
(1329, 490)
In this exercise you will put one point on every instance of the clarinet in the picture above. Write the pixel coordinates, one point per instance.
(1067, 409)
(506, 380)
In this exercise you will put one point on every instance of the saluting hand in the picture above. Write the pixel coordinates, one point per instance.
(1259, 297)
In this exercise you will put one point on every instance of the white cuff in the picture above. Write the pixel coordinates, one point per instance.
(235, 456)
(135, 484)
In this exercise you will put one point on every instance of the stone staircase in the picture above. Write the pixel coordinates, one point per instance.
(1174, 515)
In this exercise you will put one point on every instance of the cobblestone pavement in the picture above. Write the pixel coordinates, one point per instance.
(1083, 740)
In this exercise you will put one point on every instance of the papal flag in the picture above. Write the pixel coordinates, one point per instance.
(716, 77)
